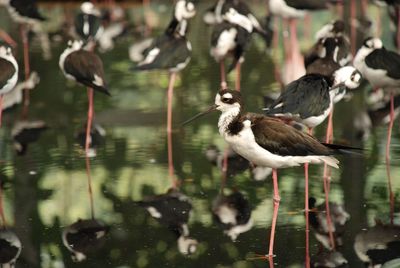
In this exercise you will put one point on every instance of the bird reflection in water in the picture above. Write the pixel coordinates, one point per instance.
(172, 210)
(84, 237)
(329, 259)
(379, 246)
(233, 212)
(318, 220)
(26, 132)
(96, 138)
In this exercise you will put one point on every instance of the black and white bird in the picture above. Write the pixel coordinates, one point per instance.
(267, 141)
(97, 134)
(23, 11)
(310, 98)
(8, 73)
(378, 245)
(233, 212)
(84, 237)
(10, 248)
(88, 23)
(172, 209)
(329, 259)
(318, 220)
(83, 66)
(26, 132)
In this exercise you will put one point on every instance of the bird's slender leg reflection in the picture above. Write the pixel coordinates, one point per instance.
(25, 41)
(387, 158)
(169, 129)
(3, 218)
(276, 201)
(224, 85)
(89, 177)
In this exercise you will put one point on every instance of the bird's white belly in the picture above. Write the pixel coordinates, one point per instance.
(379, 78)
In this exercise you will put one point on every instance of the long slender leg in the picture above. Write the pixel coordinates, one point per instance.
(277, 199)
(3, 218)
(169, 128)
(307, 26)
(1, 109)
(7, 38)
(237, 81)
(388, 142)
(398, 28)
(306, 209)
(88, 139)
(353, 14)
(224, 85)
(89, 177)
(25, 41)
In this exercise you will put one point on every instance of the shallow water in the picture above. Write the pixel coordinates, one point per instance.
(46, 189)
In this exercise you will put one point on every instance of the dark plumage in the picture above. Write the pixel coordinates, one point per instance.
(7, 71)
(385, 60)
(93, 22)
(25, 9)
(309, 4)
(10, 248)
(327, 64)
(26, 132)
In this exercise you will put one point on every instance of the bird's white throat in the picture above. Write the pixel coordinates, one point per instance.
(226, 118)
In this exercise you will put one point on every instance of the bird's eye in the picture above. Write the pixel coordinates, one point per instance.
(225, 99)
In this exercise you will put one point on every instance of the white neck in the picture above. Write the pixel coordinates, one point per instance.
(226, 118)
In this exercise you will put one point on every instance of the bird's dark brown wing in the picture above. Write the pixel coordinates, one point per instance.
(386, 60)
(279, 138)
(84, 65)
(7, 71)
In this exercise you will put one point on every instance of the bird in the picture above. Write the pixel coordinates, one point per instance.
(233, 212)
(8, 73)
(378, 245)
(381, 68)
(83, 237)
(10, 248)
(25, 132)
(329, 259)
(172, 209)
(318, 220)
(267, 142)
(88, 22)
(86, 68)
(24, 11)
(170, 51)
(310, 98)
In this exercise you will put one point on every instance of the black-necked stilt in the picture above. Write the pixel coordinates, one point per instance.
(8, 73)
(267, 141)
(84, 237)
(381, 68)
(171, 51)
(233, 212)
(10, 248)
(115, 25)
(25, 132)
(329, 259)
(378, 245)
(173, 210)
(86, 68)
(88, 22)
(309, 99)
(228, 38)
(318, 220)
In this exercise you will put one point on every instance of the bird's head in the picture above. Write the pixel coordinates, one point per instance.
(74, 45)
(226, 101)
(5, 51)
(372, 43)
(347, 76)
(89, 8)
(187, 245)
(184, 10)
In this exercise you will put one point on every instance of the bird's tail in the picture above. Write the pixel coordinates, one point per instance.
(342, 149)
(101, 89)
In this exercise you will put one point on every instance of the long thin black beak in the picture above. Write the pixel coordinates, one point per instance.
(209, 110)
(338, 85)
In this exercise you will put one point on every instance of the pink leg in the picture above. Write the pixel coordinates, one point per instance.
(237, 81)
(224, 85)
(3, 218)
(169, 128)
(89, 176)
(1, 109)
(389, 136)
(353, 14)
(89, 120)
(7, 38)
(339, 8)
(277, 199)
(307, 26)
(224, 168)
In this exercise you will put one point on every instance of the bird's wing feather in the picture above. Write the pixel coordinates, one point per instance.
(279, 138)
(308, 4)
(7, 71)
(386, 60)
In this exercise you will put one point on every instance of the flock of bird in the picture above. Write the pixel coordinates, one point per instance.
(270, 140)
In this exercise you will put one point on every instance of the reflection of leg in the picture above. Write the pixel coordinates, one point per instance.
(277, 199)
(327, 208)
(237, 80)
(169, 127)
(3, 218)
(388, 142)
(306, 209)
(89, 177)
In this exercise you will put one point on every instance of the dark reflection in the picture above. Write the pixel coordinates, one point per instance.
(26, 132)
(233, 212)
(84, 237)
(97, 135)
(378, 245)
(10, 248)
(318, 221)
(329, 259)
(172, 210)
(236, 164)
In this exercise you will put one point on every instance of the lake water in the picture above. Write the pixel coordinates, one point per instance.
(46, 190)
